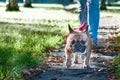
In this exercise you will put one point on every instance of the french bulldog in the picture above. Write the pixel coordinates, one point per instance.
(78, 43)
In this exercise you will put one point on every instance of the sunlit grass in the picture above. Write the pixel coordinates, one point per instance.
(114, 8)
(117, 39)
(25, 45)
(116, 65)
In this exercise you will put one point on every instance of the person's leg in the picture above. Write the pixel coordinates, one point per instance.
(82, 11)
(93, 19)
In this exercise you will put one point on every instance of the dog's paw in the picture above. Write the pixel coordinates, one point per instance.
(86, 67)
(76, 62)
(68, 64)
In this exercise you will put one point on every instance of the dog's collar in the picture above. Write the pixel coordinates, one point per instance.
(80, 28)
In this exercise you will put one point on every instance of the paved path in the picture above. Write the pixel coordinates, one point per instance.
(99, 61)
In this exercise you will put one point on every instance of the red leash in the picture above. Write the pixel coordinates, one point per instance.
(82, 26)
(83, 14)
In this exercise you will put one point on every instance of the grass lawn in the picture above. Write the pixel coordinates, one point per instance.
(26, 36)
(24, 45)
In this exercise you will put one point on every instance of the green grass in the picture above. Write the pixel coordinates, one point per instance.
(116, 60)
(116, 65)
(25, 40)
(117, 39)
(24, 45)
(114, 8)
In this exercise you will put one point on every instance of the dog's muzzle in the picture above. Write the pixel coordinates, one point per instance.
(78, 46)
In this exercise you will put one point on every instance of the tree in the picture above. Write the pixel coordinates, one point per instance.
(27, 3)
(12, 5)
(103, 5)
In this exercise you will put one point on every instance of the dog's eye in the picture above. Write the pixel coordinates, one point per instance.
(83, 42)
(73, 42)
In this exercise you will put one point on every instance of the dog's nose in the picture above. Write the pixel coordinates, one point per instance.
(82, 42)
(79, 47)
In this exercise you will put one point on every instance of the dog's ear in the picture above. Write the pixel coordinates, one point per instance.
(70, 29)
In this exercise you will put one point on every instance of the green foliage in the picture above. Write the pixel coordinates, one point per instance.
(24, 45)
(117, 39)
(113, 8)
(116, 65)
(116, 60)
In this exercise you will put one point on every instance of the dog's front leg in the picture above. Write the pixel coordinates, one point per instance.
(68, 60)
(86, 60)
(87, 54)
(68, 57)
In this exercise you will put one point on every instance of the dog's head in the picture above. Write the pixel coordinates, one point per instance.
(76, 41)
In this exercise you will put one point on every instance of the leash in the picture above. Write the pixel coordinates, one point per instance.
(83, 14)
(82, 26)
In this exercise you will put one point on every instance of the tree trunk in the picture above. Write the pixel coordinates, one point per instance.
(12, 5)
(103, 5)
(27, 3)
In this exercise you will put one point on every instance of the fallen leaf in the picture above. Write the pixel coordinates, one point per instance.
(54, 79)
(55, 59)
